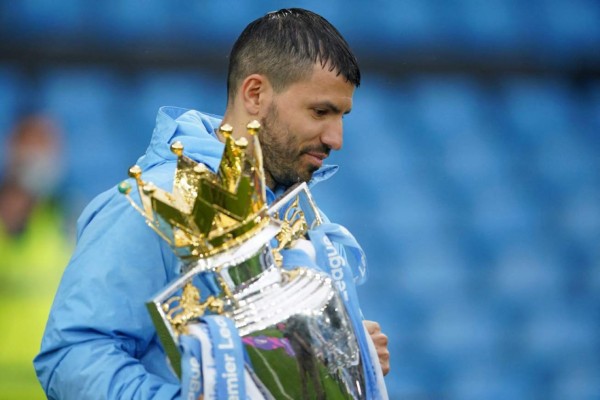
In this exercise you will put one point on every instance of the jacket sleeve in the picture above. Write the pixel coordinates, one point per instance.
(99, 341)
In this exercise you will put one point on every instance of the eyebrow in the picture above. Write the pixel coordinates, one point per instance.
(332, 107)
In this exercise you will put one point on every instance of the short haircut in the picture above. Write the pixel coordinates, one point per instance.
(284, 45)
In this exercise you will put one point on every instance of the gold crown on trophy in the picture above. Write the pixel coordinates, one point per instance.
(207, 213)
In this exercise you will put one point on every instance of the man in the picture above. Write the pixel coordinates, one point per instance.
(292, 71)
(33, 246)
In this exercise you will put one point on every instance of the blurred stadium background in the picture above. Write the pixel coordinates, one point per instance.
(470, 173)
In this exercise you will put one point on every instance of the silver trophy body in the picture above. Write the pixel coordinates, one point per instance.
(293, 323)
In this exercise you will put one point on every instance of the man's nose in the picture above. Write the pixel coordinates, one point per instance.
(333, 136)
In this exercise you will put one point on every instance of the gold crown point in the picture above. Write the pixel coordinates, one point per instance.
(124, 187)
(149, 188)
(226, 130)
(242, 143)
(253, 127)
(177, 148)
(135, 172)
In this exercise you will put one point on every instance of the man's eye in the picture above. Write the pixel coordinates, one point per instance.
(320, 112)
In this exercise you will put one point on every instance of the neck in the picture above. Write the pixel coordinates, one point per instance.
(238, 121)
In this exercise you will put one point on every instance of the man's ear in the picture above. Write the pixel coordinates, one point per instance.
(256, 94)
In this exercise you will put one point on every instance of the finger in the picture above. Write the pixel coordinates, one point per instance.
(383, 353)
(372, 327)
(385, 367)
(384, 359)
(379, 337)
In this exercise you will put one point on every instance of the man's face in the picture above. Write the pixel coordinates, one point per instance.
(302, 125)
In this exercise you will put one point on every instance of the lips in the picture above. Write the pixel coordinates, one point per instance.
(316, 158)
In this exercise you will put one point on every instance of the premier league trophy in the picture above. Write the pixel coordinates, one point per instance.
(281, 320)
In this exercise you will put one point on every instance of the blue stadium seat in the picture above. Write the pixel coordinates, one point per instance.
(561, 331)
(460, 131)
(476, 161)
(43, 18)
(415, 210)
(415, 377)
(491, 27)
(592, 277)
(539, 108)
(592, 109)
(214, 23)
(490, 380)
(572, 29)
(578, 379)
(503, 213)
(431, 271)
(81, 96)
(152, 89)
(405, 24)
(88, 102)
(449, 106)
(13, 92)
(579, 215)
(127, 22)
(462, 332)
(528, 275)
(566, 162)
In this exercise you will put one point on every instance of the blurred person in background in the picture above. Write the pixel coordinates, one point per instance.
(33, 247)
(100, 341)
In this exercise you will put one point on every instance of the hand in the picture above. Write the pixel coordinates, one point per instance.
(381, 342)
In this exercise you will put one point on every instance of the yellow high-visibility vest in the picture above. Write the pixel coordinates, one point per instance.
(30, 268)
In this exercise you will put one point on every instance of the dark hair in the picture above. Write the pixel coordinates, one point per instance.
(284, 45)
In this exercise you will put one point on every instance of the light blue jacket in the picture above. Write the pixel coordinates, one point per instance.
(99, 341)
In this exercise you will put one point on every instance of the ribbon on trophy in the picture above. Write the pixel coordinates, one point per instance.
(192, 376)
(213, 361)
